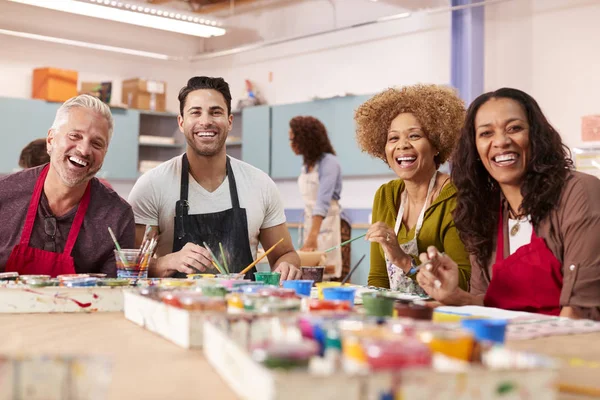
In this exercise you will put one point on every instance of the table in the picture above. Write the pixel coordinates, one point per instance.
(147, 366)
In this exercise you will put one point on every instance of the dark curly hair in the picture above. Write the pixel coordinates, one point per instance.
(438, 108)
(310, 139)
(478, 200)
(34, 154)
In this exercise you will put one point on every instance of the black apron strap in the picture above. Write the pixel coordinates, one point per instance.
(233, 193)
(182, 206)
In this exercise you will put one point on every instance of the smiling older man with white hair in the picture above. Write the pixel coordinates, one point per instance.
(55, 217)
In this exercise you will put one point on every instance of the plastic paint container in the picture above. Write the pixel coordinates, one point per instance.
(81, 282)
(322, 285)
(285, 355)
(378, 305)
(340, 293)
(269, 278)
(312, 273)
(9, 276)
(329, 305)
(302, 287)
(490, 330)
(384, 354)
(413, 311)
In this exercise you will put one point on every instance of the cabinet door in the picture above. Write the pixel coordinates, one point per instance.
(23, 120)
(256, 137)
(121, 161)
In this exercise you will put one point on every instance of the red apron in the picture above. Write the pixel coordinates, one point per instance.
(528, 280)
(31, 261)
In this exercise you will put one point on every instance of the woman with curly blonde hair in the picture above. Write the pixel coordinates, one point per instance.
(320, 184)
(414, 130)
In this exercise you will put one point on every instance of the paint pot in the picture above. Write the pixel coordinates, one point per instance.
(269, 278)
(174, 282)
(99, 276)
(389, 355)
(285, 354)
(343, 293)
(249, 287)
(26, 278)
(113, 282)
(329, 305)
(455, 343)
(43, 282)
(302, 287)
(321, 285)
(214, 290)
(66, 277)
(9, 276)
(312, 273)
(413, 311)
(81, 282)
(489, 330)
(194, 301)
(200, 276)
(378, 305)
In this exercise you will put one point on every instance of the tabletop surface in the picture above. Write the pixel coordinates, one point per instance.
(147, 366)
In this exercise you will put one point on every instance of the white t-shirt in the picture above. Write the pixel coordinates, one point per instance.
(523, 236)
(155, 194)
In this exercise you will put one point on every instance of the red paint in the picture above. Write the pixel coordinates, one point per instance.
(58, 296)
(95, 296)
(82, 305)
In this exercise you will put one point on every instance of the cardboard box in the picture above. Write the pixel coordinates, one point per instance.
(144, 94)
(101, 90)
(53, 84)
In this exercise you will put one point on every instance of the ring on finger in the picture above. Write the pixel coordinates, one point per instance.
(387, 237)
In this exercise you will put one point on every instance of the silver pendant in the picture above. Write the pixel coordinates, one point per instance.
(515, 229)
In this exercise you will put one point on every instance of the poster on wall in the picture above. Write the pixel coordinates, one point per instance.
(587, 160)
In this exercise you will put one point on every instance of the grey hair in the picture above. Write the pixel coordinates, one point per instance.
(84, 101)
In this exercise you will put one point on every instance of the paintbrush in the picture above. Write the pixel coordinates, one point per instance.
(353, 269)
(214, 259)
(114, 238)
(223, 258)
(249, 267)
(344, 243)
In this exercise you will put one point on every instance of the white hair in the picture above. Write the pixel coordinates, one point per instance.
(84, 101)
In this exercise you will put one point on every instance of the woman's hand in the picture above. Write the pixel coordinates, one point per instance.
(310, 244)
(380, 233)
(438, 276)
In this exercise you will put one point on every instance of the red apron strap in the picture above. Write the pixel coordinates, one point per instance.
(78, 220)
(33, 206)
(500, 236)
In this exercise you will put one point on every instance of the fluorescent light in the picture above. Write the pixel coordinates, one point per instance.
(120, 15)
(87, 45)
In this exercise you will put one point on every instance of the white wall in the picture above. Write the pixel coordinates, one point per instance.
(549, 48)
(19, 56)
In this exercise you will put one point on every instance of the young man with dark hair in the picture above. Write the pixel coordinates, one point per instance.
(204, 196)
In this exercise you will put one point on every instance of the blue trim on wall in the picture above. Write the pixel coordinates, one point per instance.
(467, 63)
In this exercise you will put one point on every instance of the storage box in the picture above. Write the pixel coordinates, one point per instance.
(53, 84)
(144, 94)
(101, 90)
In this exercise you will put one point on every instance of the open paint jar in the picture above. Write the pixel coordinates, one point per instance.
(378, 305)
(329, 305)
(343, 293)
(269, 278)
(194, 301)
(413, 311)
(302, 287)
(383, 354)
(314, 274)
(27, 278)
(285, 355)
(9, 276)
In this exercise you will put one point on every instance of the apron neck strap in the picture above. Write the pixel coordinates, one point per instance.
(33, 207)
(78, 220)
(185, 184)
(403, 198)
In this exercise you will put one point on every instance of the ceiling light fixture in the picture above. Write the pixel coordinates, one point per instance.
(90, 9)
(87, 45)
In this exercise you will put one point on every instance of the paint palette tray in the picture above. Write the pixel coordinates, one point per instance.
(56, 299)
(182, 327)
(54, 377)
(515, 375)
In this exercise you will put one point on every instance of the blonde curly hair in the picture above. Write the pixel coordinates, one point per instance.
(438, 108)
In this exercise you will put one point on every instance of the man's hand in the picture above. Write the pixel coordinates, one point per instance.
(190, 259)
(288, 271)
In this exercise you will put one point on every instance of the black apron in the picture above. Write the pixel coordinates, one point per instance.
(229, 227)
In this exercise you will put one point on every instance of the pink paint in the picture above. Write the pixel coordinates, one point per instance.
(58, 296)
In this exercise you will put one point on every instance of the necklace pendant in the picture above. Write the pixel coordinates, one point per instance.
(515, 229)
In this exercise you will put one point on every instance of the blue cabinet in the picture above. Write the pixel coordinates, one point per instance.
(24, 120)
(256, 137)
(337, 114)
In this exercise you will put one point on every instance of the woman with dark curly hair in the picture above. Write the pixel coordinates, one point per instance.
(414, 130)
(530, 223)
(320, 184)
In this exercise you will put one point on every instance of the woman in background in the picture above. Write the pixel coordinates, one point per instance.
(320, 185)
(530, 223)
(414, 130)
